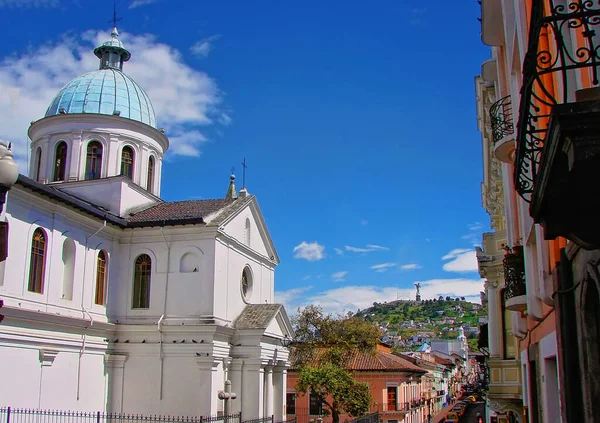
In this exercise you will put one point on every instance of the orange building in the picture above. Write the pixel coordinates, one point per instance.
(397, 387)
(538, 105)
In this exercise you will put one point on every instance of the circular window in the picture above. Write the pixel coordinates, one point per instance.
(246, 284)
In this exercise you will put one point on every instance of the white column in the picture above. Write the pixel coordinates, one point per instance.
(279, 391)
(74, 172)
(495, 319)
(235, 376)
(268, 391)
(115, 366)
(252, 388)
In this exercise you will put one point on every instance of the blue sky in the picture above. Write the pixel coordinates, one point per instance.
(357, 121)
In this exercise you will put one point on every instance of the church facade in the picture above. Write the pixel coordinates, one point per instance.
(117, 301)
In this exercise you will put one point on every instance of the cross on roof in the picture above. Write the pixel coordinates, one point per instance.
(115, 19)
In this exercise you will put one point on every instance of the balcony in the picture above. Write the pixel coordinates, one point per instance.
(562, 56)
(503, 130)
(394, 408)
(515, 292)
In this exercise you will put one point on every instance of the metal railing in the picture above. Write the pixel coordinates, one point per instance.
(501, 118)
(562, 48)
(514, 273)
(399, 407)
(23, 415)
(367, 418)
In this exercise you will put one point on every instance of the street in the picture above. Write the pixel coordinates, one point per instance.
(471, 413)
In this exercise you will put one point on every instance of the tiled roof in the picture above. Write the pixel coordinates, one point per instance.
(381, 361)
(161, 214)
(256, 316)
(180, 210)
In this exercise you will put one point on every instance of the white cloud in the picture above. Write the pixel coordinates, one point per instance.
(409, 266)
(339, 276)
(462, 260)
(367, 249)
(338, 251)
(383, 267)
(312, 251)
(305, 278)
(138, 3)
(474, 234)
(203, 47)
(29, 3)
(184, 102)
(292, 298)
(351, 298)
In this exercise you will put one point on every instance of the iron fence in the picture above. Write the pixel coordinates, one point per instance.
(23, 415)
(367, 418)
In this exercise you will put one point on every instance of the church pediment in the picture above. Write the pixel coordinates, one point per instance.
(246, 225)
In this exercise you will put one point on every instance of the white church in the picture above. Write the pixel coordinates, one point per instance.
(118, 301)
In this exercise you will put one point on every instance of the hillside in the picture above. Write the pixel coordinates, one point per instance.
(409, 323)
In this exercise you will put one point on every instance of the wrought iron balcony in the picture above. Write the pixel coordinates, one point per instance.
(514, 278)
(399, 407)
(563, 51)
(501, 119)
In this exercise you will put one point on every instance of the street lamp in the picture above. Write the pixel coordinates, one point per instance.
(286, 341)
(9, 172)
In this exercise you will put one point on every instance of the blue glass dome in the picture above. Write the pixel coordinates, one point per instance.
(107, 91)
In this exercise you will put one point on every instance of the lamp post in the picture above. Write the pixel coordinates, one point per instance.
(9, 172)
(285, 341)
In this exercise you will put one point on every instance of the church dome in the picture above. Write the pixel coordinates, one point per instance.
(106, 91)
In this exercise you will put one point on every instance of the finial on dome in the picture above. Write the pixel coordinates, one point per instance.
(231, 191)
(112, 53)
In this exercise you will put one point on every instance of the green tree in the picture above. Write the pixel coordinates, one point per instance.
(323, 346)
(337, 389)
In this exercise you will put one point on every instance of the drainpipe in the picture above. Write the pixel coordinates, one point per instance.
(160, 394)
(83, 309)
(161, 356)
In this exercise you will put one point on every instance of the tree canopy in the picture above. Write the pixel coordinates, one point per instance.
(322, 344)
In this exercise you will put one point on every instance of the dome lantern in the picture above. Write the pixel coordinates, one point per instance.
(112, 53)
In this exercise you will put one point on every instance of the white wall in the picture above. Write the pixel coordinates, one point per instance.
(33, 379)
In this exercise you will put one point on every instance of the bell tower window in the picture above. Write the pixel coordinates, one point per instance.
(127, 162)
(60, 161)
(93, 165)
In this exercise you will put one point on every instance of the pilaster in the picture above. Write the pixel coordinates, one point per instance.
(115, 369)
(207, 404)
(268, 391)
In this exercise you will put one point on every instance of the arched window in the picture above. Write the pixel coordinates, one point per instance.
(37, 262)
(247, 232)
(38, 163)
(60, 161)
(141, 281)
(100, 278)
(246, 283)
(150, 181)
(93, 164)
(68, 257)
(127, 162)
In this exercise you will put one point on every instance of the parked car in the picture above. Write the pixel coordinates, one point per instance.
(452, 416)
